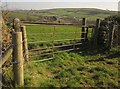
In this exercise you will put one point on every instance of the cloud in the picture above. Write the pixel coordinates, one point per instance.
(50, 5)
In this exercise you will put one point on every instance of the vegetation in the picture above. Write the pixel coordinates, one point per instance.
(73, 70)
(62, 15)
(6, 36)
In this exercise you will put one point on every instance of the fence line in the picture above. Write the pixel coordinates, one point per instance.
(25, 45)
(37, 49)
(59, 47)
(7, 54)
(52, 53)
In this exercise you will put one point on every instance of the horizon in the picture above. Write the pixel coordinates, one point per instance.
(63, 8)
(112, 6)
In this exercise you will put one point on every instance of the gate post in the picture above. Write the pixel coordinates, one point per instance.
(17, 59)
(25, 45)
(111, 34)
(118, 35)
(17, 54)
(83, 30)
(83, 34)
(95, 33)
(86, 34)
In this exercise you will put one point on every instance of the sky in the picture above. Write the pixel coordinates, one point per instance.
(61, 0)
(50, 4)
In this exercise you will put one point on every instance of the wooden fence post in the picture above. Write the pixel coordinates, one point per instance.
(95, 33)
(16, 25)
(84, 22)
(86, 34)
(17, 54)
(25, 45)
(7, 54)
(18, 59)
(83, 30)
(83, 34)
(111, 34)
(118, 35)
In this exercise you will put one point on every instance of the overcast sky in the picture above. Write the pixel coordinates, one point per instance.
(49, 4)
(60, 0)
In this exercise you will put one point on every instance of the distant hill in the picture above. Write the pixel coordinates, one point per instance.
(60, 15)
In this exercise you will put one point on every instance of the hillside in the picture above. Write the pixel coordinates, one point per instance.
(61, 15)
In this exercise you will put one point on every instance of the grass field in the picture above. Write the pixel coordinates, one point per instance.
(74, 70)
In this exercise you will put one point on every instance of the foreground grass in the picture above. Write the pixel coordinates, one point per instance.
(74, 70)
(71, 70)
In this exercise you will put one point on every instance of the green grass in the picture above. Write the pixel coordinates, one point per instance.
(73, 70)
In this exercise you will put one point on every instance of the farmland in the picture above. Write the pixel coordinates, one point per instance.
(64, 15)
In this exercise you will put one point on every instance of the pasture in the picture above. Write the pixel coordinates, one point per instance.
(70, 69)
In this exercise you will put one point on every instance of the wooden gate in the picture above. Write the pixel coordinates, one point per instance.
(75, 43)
